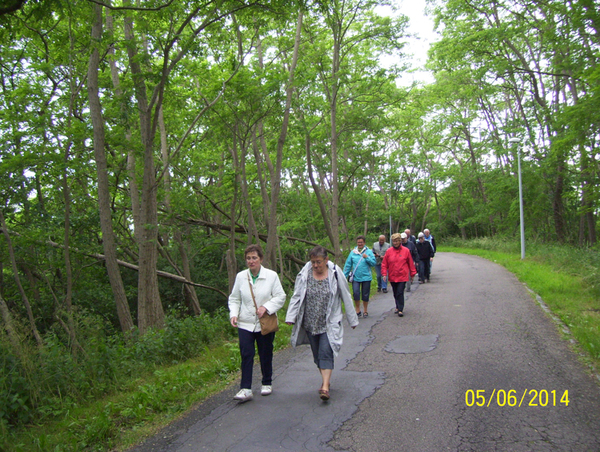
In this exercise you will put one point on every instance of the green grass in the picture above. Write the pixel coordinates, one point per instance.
(139, 408)
(567, 281)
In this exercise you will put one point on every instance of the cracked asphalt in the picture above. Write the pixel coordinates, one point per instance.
(405, 384)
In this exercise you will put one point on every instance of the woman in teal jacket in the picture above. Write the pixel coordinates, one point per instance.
(359, 264)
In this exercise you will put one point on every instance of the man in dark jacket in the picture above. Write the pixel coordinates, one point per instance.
(426, 253)
(413, 253)
(410, 237)
(429, 238)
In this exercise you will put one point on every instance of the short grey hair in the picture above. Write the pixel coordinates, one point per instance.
(318, 251)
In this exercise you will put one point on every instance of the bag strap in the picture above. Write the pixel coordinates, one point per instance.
(252, 292)
(358, 263)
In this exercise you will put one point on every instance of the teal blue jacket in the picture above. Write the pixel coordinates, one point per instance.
(362, 273)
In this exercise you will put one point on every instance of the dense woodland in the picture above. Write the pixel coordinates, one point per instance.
(145, 144)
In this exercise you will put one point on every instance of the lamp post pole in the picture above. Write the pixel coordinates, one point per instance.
(522, 221)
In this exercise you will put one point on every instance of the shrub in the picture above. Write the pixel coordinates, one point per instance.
(36, 383)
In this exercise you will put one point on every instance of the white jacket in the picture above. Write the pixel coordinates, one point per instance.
(267, 291)
(339, 293)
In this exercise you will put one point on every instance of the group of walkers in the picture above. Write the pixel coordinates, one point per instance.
(397, 264)
(315, 308)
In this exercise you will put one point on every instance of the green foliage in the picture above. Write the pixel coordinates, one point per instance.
(146, 392)
(434, 156)
(47, 382)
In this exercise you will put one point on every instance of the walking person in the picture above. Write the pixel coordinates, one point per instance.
(413, 253)
(429, 238)
(315, 310)
(410, 237)
(261, 285)
(426, 253)
(379, 249)
(358, 271)
(398, 268)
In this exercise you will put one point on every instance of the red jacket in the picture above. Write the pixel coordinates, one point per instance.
(398, 265)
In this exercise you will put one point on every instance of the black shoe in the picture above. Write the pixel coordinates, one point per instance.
(384, 290)
(400, 314)
(408, 290)
(379, 289)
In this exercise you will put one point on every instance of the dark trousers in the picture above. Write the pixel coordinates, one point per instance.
(381, 284)
(424, 269)
(361, 288)
(265, 354)
(398, 288)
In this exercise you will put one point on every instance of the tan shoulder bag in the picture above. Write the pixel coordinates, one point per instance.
(268, 322)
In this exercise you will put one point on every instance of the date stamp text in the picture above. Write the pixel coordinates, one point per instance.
(512, 397)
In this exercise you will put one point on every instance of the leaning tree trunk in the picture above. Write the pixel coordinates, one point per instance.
(13, 262)
(108, 240)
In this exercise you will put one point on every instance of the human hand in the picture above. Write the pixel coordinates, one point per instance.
(290, 323)
(234, 322)
(261, 311)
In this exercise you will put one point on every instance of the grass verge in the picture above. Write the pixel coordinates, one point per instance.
(140, 408)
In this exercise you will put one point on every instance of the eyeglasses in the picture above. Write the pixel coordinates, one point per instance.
(252, 258)
(317, 262)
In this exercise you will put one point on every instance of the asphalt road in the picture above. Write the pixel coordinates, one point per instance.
(474, 335)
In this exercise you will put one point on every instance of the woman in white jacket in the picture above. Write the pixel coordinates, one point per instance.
(270, 297)
(315, 310)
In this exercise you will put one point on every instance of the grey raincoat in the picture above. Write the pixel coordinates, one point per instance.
(339, 293)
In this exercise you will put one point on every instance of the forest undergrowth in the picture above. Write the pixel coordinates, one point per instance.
(112, 390)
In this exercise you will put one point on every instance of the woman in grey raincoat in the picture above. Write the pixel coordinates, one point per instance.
(315, 310)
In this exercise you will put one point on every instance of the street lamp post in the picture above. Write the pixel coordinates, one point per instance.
(518, 141)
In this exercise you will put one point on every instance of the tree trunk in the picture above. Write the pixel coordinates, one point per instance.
(108, 240)
(13, 262)
(230, 257)
(134, 193)
(67, 303)
(150, 310)
(335, 196)
(272, 239)
(191, 297)
(252, 229)
(9, 326)
(587, 202)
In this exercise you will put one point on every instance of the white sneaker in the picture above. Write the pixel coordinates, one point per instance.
(266, 390)
(243, 395)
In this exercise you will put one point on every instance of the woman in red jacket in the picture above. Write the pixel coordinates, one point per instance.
(398, 267)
